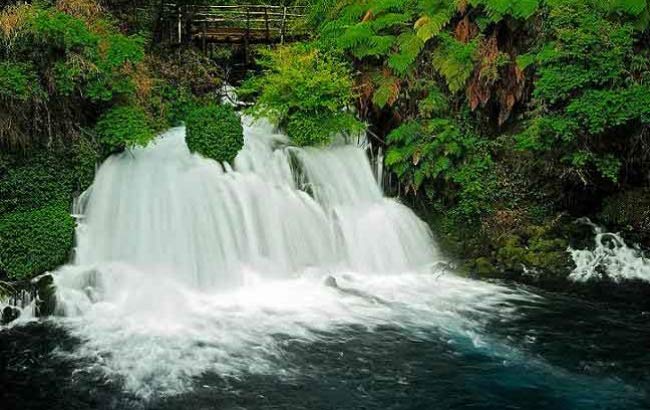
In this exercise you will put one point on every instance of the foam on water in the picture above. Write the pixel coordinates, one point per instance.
(611, 258)
(184, 265)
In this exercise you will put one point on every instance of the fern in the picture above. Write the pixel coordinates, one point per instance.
(387, 90)
(497, 9)
(410, 46)
(436, 14)
(355, 35)
(389, 20)
(454, 61)
(632, 7)
(429, 26)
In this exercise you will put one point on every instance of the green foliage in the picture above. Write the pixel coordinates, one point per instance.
(18, 80)
(590, 85)
(215, 131)
(306, 128)
(497, 9)
(124, 126)
(438, 155)
(300, 86)
(454, 61)
(60, 66)
(34, 241)
(40, 177)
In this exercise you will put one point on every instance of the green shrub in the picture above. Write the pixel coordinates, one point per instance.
(316, 128)
(215, 131)
(18, 80)
(306, 92)
(443, 160)
(124, 126)
(35, 241)
(60, 70)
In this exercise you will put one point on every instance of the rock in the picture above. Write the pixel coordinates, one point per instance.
(331, 282)
(46, 296)
(9, 314)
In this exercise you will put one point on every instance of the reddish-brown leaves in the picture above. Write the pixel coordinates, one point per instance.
(493, 79)
(465, 30)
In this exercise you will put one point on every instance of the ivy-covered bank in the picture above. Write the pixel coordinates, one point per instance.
(503, 120)
(79, 81)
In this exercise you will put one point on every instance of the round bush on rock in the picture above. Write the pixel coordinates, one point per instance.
(215, 131)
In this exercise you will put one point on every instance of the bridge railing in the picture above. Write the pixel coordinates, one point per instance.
(237, 23)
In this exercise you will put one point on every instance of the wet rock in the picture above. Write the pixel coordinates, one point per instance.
(330, 281)
(9, 314)
(46, 296)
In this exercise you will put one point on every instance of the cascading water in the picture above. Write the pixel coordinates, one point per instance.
(163, 209)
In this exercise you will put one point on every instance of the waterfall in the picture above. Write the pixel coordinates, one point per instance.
(185, 266)
(279, 211)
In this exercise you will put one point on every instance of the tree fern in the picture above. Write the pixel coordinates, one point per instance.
(436, 14)
(429, 26)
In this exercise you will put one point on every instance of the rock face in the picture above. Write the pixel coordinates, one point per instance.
(46, 296)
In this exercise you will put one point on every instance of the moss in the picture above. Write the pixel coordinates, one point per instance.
(215, 131)
(483, 267)
(35, 241)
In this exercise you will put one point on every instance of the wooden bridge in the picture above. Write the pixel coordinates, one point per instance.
(239, 24)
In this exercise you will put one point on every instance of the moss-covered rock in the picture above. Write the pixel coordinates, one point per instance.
(215, 131)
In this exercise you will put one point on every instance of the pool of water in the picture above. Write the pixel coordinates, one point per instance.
(524, 350)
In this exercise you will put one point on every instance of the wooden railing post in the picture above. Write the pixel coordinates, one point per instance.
(266, 22)
(204, 40)
(284, 19)
(248, 31)
(180, 24)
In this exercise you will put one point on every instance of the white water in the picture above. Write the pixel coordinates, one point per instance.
(611, 258)
(183, 267)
